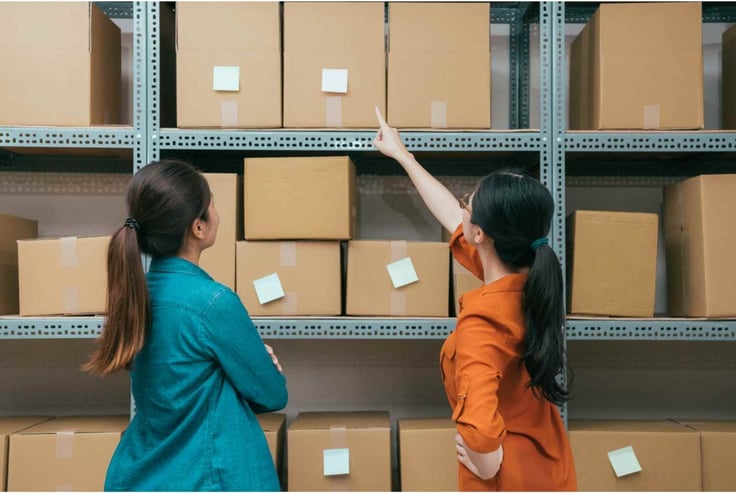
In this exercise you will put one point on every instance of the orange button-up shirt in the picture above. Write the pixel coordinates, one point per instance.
(486, 384)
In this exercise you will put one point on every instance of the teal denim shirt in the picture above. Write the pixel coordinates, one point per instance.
(202, 374)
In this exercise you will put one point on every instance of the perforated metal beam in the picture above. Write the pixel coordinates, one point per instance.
(93, 137)
(345, 140)
(651, 330)
(650, 141)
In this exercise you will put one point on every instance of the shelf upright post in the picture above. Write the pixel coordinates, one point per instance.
(552, 126)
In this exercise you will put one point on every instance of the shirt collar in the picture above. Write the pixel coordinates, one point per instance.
(177, 264)
(510, 282)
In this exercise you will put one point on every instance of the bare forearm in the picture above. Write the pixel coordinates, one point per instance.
(440, 201)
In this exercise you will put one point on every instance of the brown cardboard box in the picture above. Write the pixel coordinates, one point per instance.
(718, 449)
(366, 436)
(370, 290)
(60, 65)
(668, 453)
(612, 260)
(462, 282)
(308, 272)
(343, 35)
(439, 65)
(14, 229)
(274, 427)
(728, 79)
(638, 66)
(64, 454)
(698, 233)
(300, 198)
(219, 259)
(62, 275)
(8, 426)
(427, 455)
(228, 34)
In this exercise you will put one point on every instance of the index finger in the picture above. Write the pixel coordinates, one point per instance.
(381, 121)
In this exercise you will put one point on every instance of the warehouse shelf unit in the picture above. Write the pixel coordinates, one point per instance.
(551, 141)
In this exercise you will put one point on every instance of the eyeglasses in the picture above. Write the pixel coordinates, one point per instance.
(463, 202)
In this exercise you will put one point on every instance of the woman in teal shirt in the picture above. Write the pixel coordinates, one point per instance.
(199, 370)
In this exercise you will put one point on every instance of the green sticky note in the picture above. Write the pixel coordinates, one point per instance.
(402, 272)
(336, 461)
(624, 461)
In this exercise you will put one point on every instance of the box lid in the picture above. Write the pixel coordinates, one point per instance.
(80, 424)
(334, 27)
(14, 424)
(350, 420)
(271, 421)
(447, 27)
(411, 424)
(626, 426)
(711, 426)
(245, 26)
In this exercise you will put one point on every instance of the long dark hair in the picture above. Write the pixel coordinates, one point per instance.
(164, 199)
(514, 209)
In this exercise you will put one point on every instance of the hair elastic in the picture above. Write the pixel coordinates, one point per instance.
(132, 224)
(539, 242)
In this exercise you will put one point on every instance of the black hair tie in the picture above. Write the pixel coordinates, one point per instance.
(132, 224)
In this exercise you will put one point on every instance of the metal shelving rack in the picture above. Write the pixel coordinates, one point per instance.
(551, 141)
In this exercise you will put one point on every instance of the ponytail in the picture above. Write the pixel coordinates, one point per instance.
(544, 355)
(128, 311)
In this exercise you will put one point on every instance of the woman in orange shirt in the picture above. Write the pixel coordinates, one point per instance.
(499, 366)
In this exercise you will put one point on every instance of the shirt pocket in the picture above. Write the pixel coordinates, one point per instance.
(462, 394)
(447, 357)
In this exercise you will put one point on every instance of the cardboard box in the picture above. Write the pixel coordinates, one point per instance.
(309, 275)
(349, 451)
(8, 426)
(338, 36)
(370, 290)
(60, 65)
(62, 275)
(638, 66)
(728, 79)
(668, 454)
(300, 198)
(64, 454)
(439, 65)
(612, 260)
(699, 230)
(427, 456)
(228, 64)
(219, 259)
(462, 282)
(274, 427)
(14, 229)
(718, 450)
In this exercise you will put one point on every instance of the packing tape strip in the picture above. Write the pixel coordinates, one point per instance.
(651, 117)
(68, 250)
(438, 114)
(398, 250)
(70, 300)
(290, 303)
(229, 114)
(65, 487)
(287, 253)
(397, 302)
(65, 444)
(397, 298)
(333, 111)
(339, 439)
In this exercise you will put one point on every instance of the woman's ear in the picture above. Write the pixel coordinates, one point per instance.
(478, 235)
(198, 229)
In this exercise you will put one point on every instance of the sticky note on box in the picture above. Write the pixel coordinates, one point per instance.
(268, 288)
(335, 80)
(624, 461)
(336, 461)
(226, 79)
(402, 272)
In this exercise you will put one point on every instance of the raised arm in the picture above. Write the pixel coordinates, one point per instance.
(439, 200)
